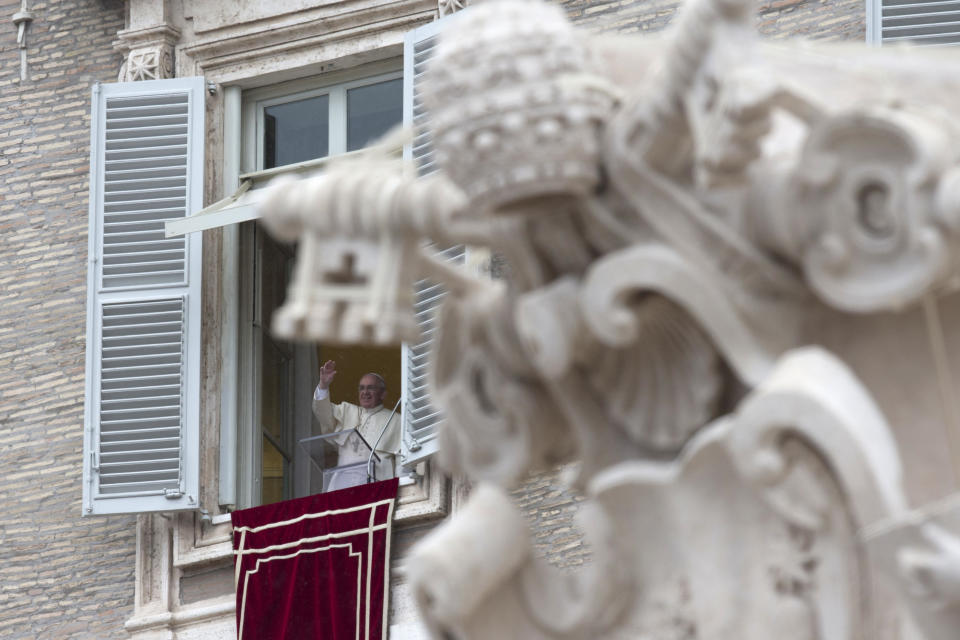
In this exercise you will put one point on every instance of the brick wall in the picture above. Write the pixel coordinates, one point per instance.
(550, 510)
(61, 576)
(825, 19)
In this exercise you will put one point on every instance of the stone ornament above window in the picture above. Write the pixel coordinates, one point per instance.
(148, 64)
(148, 49)
(668, 206)
(446, 7)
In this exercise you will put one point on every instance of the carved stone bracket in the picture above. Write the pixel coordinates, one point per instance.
(447, 7)
(148, 53)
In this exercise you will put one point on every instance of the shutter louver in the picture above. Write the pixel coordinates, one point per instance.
(143, 335)
(921, 23)
(422, 147)
(421, 420)
(145, 184)
(141, 375)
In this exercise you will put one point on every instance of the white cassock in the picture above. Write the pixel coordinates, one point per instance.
(368, 422)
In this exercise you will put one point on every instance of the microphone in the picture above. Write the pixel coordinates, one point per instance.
(370, 475)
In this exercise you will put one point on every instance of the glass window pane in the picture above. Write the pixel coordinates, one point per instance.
(372, 110)
(275, 264)
(273, 474)
(276, 356)
(295, 131)
(274, 390)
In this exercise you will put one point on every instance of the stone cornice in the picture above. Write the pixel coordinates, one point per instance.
(361, 10)
(132, 38)
(302, 35)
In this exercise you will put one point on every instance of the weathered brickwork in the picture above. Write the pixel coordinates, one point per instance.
(550, 510)
(61, 576)
(822, 19)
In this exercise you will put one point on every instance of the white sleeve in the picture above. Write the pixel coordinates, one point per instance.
(324, 411)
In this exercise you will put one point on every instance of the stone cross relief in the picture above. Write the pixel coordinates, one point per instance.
(665, 206)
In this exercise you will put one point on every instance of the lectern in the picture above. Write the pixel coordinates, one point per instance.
(344, 458)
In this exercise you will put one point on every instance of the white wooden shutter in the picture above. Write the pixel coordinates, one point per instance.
(921, 23)
(141, 431)
(421, 420)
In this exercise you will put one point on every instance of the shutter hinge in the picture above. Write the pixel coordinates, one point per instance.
(94, 463)
(172, 494)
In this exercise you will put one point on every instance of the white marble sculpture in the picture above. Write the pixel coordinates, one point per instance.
(665, 205)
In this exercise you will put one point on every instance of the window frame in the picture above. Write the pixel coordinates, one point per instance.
(245, 437)
(232, 62)
(248, 395)
(335, 85)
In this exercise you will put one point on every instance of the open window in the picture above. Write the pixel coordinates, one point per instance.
(293, 125)
(141, 439)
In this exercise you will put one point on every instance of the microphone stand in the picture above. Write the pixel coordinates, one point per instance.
(370, 475)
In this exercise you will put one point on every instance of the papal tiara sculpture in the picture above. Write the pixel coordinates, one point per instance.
(668, 208)
(526, 122)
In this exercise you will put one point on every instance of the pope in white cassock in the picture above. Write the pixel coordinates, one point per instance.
(369, 418)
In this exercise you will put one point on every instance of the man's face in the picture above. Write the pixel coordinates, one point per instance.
(371, 392)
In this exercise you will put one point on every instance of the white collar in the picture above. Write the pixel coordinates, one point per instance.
(371, 410)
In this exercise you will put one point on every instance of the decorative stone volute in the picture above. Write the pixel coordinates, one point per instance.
(869, 219)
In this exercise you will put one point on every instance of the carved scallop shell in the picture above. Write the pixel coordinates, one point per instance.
(666, 384)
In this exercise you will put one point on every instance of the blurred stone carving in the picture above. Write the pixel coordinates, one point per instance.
(665, 206)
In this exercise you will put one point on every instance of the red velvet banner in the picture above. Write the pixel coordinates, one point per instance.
(315, 567)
